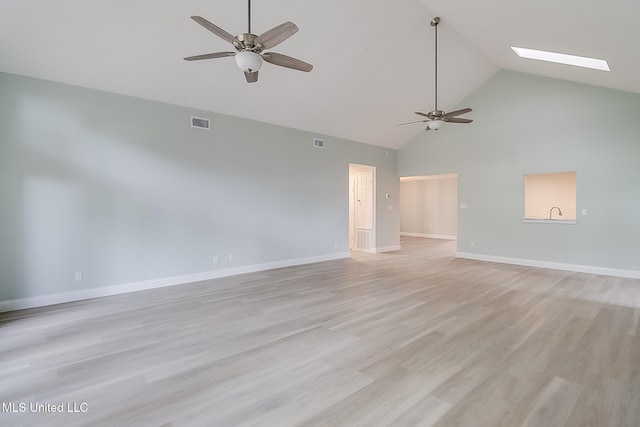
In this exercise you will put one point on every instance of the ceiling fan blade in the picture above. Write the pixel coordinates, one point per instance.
(410, 123)
(277, 35)
(251, 77)
(458, 112)
(422, 114)
(456, 120)
(287, 61)
(209, 56)
(215, 29)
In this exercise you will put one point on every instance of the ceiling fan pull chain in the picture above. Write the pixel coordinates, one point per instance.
(249, 13)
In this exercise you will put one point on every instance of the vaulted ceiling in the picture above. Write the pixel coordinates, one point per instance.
(373, 59)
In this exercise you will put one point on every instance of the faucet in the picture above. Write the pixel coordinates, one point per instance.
(551, 211)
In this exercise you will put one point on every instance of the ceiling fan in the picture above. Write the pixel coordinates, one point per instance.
(250, 48)
(436, 118)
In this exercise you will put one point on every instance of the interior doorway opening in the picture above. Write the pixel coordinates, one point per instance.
(429, 206)
(362, 207)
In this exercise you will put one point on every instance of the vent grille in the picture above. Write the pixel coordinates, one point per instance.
(200, 123)
(318, 143)
(363, 239)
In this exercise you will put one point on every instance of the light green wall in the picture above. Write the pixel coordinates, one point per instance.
(124, 190)
(528, 124)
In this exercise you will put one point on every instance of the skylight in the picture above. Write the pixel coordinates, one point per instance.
(561, 58)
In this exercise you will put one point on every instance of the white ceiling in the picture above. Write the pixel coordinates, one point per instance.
(373, 59)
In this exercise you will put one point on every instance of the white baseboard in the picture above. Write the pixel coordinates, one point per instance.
(388, 249)
(44, 300)
(604, 271)
(380, 250)
(430, 236)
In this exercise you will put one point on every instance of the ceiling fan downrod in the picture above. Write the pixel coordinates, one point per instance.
(249, 16)
(434, 23)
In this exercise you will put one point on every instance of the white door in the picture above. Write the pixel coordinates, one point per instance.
(362, 211)
(364, 200)
(352, 214)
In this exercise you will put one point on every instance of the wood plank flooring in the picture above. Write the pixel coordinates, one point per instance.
(407, 338)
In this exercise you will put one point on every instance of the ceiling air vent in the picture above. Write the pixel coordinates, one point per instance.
(318, 143)
(200, 123)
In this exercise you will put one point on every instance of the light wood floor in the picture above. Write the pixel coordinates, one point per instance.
(408, 338)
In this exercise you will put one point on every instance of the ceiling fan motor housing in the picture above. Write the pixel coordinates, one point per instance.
(247, 42)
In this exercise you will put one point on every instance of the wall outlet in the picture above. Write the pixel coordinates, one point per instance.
(78, 277)
(335, 245)
(215, 259)
(230, 257)
(584, 212)
(464, 205)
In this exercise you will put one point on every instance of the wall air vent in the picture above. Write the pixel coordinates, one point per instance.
(318, 143)
(200, 123)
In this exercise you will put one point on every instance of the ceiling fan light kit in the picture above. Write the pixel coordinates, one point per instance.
(434, 124)
(249, 62)
(250, 48)
(436, 118)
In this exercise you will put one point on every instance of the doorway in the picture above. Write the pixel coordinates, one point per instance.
(429, 206)
(362, 203)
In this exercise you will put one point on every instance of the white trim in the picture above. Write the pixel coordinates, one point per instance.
(387, 249)
(550, 221)
(605, 271)
(379, 250)
(44, 300)
(429, 177)
(369, 251)
(429, 236)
